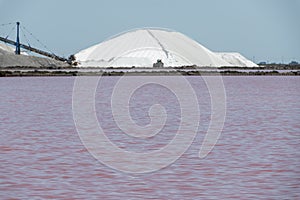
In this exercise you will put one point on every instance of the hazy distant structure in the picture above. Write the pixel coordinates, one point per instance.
(143, 47)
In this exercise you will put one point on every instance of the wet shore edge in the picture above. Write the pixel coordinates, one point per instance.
(175, 73)
(278, 70)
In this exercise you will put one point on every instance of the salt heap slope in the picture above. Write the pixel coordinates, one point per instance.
(236, 59)
(143, 47)
(9, 59)
(4, 49)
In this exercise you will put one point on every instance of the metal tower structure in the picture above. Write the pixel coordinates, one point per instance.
(18, 45)
(18, 48)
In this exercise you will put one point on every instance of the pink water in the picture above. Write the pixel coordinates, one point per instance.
(256, 157)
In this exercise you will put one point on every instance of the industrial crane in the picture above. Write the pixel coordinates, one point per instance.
(18, 45)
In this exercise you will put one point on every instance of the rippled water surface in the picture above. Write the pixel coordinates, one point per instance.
(256, 157)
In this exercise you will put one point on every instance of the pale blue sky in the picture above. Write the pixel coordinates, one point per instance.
(268, 30)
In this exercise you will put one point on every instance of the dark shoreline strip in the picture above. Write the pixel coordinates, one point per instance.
(175, 73)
